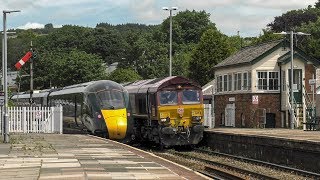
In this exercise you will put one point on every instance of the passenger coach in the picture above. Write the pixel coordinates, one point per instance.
(101, 106)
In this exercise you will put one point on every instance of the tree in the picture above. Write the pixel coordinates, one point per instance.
(62, 69)
(211, 50)
(124, 75)
(109, 44)
(311, 44)
(293, 19)
(188, 26)
(267, 36)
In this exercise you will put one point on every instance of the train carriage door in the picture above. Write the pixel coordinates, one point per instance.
(230, 115)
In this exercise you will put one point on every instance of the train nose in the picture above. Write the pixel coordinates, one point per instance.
(116, 122)
(121, 129)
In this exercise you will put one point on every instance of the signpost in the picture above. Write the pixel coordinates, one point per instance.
(255, 99)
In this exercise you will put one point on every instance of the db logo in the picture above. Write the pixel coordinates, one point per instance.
(180, 111)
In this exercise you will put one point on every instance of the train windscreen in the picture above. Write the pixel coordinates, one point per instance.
(111, 99)
(168, 97)
(190, 97)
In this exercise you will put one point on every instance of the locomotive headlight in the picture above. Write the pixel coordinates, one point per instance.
(196, 118)
(163, 120)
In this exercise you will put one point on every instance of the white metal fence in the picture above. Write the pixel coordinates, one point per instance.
(34, 119)
(208, 116)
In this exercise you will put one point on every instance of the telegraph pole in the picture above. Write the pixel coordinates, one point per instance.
(31, 75)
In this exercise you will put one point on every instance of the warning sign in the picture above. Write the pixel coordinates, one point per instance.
(255, 99)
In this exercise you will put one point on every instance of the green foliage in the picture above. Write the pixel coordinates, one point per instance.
(188, 26)
(293, 19)
(124, 75)
(62, 69)
(212, 49)
(74, 54)
(311, 44)
(267, 36)
(108, 44)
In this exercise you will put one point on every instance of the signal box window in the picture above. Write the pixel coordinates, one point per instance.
(168, 97)
(190, 97)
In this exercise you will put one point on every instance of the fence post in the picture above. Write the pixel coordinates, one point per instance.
(1, 110)
(60, 118)
(52, 119)
(24, 119)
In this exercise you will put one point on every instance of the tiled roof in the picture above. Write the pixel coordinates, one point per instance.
(248, 54)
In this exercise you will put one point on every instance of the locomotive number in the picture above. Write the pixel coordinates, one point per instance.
(196, 113)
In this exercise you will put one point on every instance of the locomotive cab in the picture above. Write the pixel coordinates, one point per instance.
(167, 111)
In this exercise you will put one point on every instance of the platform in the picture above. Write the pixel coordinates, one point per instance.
(290, 134)
(296, 148)
(55, 156)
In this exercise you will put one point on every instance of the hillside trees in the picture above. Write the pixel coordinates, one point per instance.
(290, 20)
(211, 50)
(311, 44)
(143, 49)
(61, 69)
(121, 75)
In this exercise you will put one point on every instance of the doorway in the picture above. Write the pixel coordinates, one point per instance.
(230, 115)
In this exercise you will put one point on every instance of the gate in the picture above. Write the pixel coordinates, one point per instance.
(33, 119)
(230, 115)
(208, 116)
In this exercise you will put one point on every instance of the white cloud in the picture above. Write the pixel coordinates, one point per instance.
(230, 16)
(35, 25)
(146, 10)
(30, 25)
(280, 4)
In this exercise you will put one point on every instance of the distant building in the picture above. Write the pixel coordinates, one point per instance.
(111, 67)
(11, 79)
(253, 86)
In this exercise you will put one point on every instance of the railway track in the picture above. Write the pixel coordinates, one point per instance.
(300, 172)
(218, 170)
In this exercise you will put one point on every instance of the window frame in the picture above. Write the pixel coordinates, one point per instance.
(268, 78)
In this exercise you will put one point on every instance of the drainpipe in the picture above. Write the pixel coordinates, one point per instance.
(281, 111)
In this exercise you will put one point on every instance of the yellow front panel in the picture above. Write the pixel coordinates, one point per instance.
(116, 122)
(181, 115)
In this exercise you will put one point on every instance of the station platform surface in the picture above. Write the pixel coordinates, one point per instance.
(290, 134)
(69, 156)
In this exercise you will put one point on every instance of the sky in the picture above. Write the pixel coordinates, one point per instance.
(248, 17)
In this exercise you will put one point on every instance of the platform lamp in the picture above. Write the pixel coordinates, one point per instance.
(5, 85)
(170, 10)
(291, 84)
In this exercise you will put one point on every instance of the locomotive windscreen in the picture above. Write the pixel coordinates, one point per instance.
(168, 97)
(190, 96)
(111, 99)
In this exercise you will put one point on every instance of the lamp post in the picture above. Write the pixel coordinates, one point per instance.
(291, 72)
(170, 10)
(5, 85)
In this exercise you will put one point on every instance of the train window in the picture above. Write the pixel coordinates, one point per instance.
(111, 99)
(168, 97)
(190, 97)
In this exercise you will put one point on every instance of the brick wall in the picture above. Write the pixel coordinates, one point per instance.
(309, 72)
(246, 113)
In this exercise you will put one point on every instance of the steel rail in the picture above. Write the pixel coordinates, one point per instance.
(268, 164)
(225, 166)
